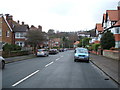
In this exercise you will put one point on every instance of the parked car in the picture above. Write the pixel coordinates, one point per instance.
(81, 54)
(65, 49)
(42, 52)
(61, 50)
(2, 62)
(53, 51)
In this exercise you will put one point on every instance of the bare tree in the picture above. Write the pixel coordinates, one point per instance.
(35, 38)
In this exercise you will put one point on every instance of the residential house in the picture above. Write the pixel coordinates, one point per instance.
(111, 22)
(41, 44)
(6, 32)
(20, 32)
(98, 31)
(76, 44)
(55, 42)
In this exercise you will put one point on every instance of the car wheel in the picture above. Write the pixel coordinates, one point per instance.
(87, 61)
(74, 60)
(3, 64)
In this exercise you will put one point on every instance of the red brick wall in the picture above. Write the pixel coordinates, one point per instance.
(5, 28)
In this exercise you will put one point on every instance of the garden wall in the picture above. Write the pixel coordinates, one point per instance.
(112, 54)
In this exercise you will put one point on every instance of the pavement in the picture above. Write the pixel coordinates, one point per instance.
(109, 66)
(18, 58)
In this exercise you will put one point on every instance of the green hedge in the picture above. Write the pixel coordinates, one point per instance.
(95, 46)
(14, 53)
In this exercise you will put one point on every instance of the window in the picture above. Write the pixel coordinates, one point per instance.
(7, 33)
(19, 35)
(0, 32)
(20, 43)
(117, 30)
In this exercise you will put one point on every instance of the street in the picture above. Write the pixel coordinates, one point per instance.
(55, 71)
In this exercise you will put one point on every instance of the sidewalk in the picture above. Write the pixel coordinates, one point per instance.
(107, 65)
(18, 58)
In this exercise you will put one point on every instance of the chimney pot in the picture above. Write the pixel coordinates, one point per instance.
(22, 23)
(18, 21)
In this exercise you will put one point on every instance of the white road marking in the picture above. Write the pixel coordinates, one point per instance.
(61, 56)
(57, 59)
(48, 64)
(25, 78)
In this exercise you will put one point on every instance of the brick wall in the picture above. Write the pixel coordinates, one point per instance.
(111, 54)
(5, 28)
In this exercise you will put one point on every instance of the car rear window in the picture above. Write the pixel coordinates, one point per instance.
(82, 51)
(39, 50)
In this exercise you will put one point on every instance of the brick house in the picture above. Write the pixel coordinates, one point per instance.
(111, 22)
(98, 31)
(20, 32)
(6, 32)
(55, 42)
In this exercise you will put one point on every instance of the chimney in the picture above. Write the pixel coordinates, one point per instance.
(40, 28)
(18, 21)
(22, 23)
(9, 19)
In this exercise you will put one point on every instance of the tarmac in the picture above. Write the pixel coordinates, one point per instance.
(109, 66)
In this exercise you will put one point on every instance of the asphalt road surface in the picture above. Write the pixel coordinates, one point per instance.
(55, 71)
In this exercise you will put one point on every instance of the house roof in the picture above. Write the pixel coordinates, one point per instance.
(7, 23)
(104, 16)
(117, 24)
(20, 28)
(113, 15)
(96, 41)
(99, 27)
(77, 42)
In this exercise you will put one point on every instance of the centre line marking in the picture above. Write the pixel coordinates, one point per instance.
(48, 64)
(61, 56)
(25, 78)
(57, 59)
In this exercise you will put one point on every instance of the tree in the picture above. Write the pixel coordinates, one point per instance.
(35, 38)
(107, 40)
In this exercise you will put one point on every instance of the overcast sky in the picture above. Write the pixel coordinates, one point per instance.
(62, 15)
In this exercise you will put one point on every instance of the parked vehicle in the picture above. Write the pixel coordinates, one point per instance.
(81, 54)
(42, 52)
(2, 62)
(61, 50)
(65, 49)
(53, 51)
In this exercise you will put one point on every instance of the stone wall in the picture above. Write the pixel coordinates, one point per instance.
(112, 54)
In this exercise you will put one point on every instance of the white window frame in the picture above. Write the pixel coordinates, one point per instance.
(0, 32)
(8, 34)
(19, 35)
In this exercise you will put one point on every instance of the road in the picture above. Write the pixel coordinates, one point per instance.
(55, 71)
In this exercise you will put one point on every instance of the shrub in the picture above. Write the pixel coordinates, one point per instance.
(95, 46)
(11, 47)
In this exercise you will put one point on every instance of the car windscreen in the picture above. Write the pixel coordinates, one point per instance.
(81, 51)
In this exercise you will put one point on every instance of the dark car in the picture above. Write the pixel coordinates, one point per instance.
(53, 51)
(2, 62)
(61, 50)
(81, 54)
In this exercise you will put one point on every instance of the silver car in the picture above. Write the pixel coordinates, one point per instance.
(42, 52)
(2, 62)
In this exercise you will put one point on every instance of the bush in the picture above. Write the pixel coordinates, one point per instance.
(95, 46)
(11, 47)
